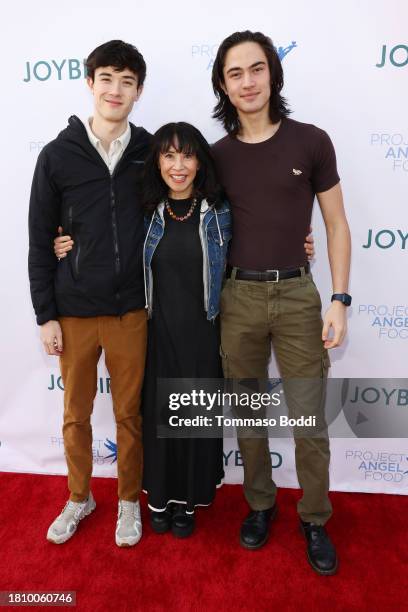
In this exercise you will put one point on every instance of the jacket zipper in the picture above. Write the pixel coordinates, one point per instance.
(77, 241)
(114, 225)
(77, 258)
(113, 212)
(70, 220)
(97, 157)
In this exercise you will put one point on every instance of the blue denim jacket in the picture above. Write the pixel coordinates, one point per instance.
(215, 234)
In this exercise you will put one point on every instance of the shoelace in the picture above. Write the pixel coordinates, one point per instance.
(317, 532)
(316, 527)
(127, 510)
(73, 507)
(255, 515)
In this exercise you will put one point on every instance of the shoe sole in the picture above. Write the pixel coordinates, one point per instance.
(124, 544)
(264, 541)
(317, 569)
(65, 538)
(182, 533)
(160, 530)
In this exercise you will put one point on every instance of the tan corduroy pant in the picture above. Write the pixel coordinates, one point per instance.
(124, 341)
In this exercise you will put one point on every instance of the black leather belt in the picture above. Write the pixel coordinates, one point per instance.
(273, 276)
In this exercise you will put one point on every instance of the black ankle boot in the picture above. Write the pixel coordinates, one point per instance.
(161, 521)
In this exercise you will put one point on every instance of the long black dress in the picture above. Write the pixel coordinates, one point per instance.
(182, 343)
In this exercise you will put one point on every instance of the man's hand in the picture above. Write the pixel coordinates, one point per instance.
(336, 318)
(309, 245)
(51, 337)
(62, 244)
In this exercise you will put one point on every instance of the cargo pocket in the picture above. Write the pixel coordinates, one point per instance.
(325, 364)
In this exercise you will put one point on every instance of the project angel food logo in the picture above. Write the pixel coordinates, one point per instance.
(393, 55)
(55, 384)
(374, 466)
(113, 449)
(54, 70)
(208, 51)
(388, 322)
(393, 148)
(100, 448)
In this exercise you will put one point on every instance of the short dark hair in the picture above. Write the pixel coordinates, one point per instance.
(224, 110)
(185, 138)
(120, 55)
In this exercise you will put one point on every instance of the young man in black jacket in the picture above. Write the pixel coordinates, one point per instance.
(88, 181)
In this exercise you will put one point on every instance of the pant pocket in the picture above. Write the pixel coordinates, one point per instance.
(133, 319)
(326, 364)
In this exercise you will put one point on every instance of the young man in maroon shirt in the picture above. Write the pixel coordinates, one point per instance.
(272, 167)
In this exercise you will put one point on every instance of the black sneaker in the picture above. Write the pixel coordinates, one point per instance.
(182, 524)
(255, 528)
(161, 521)
(321, 553)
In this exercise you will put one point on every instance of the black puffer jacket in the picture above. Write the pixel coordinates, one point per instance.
(72, 187)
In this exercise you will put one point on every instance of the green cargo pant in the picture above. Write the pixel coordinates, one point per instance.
(286, 315)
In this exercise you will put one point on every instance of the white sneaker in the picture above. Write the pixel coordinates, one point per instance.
(129, 525)
(65, 525)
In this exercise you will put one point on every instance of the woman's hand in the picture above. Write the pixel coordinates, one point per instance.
(62, 244)
(309, 245)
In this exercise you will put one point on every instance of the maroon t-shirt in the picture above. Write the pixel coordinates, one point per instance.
(271, 187)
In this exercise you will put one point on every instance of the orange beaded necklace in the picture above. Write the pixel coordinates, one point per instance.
(184, 217)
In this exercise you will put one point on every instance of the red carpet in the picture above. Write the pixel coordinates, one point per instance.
(209, 571)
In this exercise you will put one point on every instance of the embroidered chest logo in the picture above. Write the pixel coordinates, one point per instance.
(296, 172)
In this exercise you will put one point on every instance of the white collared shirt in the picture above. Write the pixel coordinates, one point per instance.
(116, 148)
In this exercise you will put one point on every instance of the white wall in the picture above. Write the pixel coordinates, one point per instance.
(331, 79)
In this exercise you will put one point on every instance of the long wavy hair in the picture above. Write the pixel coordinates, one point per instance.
(224, 110)
(185, 138)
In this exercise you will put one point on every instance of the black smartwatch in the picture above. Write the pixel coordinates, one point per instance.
(344, 298)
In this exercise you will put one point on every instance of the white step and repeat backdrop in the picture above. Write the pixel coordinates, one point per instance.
(346, 70)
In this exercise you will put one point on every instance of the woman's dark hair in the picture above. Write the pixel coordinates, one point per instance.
(226, 112)
(185, 138)
(120, 55)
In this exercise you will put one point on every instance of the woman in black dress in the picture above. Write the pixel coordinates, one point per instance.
(182, 198)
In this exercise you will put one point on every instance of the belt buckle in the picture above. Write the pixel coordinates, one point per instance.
(277, 276)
